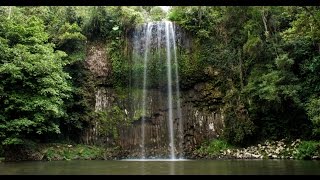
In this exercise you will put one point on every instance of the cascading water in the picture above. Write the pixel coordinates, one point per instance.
(145, 61)
(154, 60)
(169, 84)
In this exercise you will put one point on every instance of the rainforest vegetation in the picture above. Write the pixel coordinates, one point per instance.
(265, 61)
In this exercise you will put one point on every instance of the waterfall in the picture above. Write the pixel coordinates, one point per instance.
(155, 66)
(169, 76)
(148, 34)
(180, 129)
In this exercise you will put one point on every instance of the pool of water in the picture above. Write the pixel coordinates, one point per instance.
(162, 167)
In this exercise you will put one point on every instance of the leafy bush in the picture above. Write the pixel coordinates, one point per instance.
(239, 128)
(313, 111)
(308, 149)
(214, 147)
(71, 152)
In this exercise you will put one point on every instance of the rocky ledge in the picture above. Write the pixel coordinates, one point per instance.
(267, 150)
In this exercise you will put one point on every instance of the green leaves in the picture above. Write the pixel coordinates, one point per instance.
(12, 70)
(157, 14)
(19, 125)
(307, 149)
(33, 80)
(253, 45)
(313, 110)
(12, 141)
(69, 36)
(272, 73)
(284, 63)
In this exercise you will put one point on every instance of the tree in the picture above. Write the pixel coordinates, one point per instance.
(157, 14)
(33, 84)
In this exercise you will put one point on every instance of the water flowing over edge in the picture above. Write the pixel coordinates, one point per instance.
(147, 32)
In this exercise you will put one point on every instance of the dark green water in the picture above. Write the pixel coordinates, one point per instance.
(163, 167)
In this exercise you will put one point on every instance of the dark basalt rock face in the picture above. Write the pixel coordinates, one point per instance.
(199, 124)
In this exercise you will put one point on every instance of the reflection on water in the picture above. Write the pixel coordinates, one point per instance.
(156, 160)
(163, 167)
(172, 169)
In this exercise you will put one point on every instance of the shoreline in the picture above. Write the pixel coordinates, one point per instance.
(281, 150)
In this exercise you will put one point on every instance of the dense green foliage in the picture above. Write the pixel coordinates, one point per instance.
(215, 147)
(264, 61)
(157, 14)
(33, 83)
(268, 60)
(72, 152)
(307, 149)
